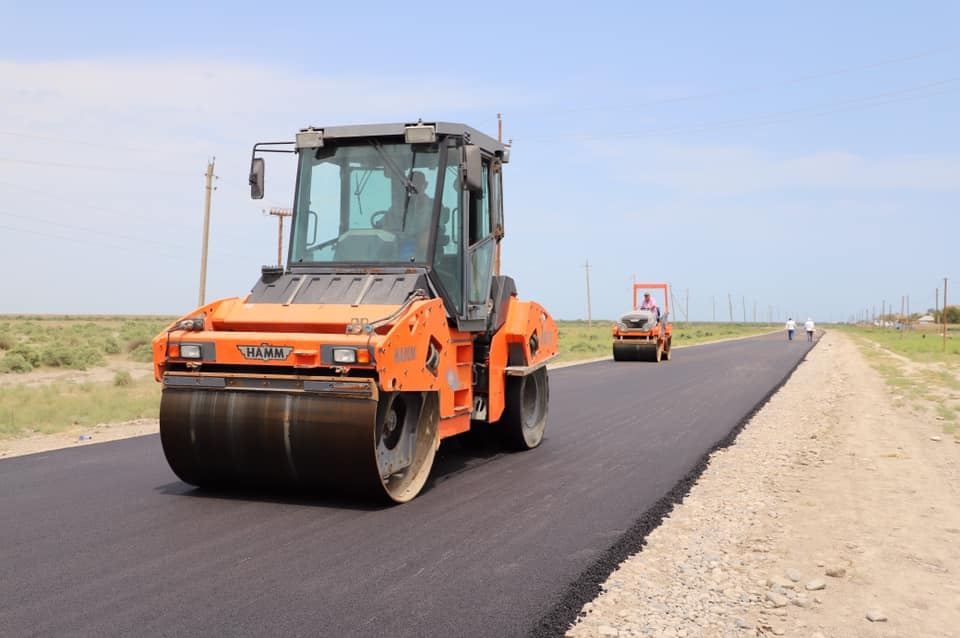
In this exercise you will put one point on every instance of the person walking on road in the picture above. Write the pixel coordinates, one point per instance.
(809, 327)
(791, 328)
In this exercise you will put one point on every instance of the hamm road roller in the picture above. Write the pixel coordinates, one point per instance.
(389, 329)
(644, 333)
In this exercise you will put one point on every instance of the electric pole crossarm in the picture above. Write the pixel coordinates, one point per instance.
(280, 213)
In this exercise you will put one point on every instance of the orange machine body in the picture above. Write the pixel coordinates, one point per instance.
(416, 350)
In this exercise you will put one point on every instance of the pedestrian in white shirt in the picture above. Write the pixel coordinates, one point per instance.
(791, 328)
(809, 327)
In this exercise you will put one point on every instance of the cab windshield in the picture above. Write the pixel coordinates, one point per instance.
(365, 203)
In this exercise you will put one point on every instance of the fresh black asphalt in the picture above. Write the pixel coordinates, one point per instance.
(103, 540)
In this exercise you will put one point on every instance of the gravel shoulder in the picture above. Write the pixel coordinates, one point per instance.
(834, 514)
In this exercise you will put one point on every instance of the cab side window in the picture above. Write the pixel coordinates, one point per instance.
(481, 241)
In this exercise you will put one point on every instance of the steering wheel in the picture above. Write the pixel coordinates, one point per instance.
(377, 219)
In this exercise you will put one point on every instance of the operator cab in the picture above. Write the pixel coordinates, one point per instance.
(391, 197)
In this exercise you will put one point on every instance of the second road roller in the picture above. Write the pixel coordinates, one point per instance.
(645, 333)
(389, 329)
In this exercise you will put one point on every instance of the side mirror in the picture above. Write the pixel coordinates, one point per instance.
(472, 173)
(256, 178)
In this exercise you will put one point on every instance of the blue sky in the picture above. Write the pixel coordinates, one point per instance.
(799, 158)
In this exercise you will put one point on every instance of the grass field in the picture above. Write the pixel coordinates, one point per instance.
(78, 343)
(34, 346)
(920, 344)
(930, 383)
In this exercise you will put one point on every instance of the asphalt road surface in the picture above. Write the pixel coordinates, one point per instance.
(103, 540)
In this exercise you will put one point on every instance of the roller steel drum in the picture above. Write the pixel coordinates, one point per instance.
(365, 444)
(627, 350)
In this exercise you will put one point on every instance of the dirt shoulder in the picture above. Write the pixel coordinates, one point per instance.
(835, 514)
(77, 435)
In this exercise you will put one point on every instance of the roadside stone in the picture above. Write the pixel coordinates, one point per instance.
(876, 615)
(778, 600)
(816, 584)
(778, 581)
(800, 600)
(836, 571)
(936, 438)
(794, 574)
(742, 624)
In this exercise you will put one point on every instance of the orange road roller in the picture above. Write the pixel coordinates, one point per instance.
(389, 329)
(645, 333)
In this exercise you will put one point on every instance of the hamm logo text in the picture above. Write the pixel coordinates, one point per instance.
(265, 352)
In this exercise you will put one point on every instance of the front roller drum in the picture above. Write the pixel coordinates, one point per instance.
(330, 445)
(636, 351)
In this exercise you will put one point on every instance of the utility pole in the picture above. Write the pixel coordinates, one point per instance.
(936, 303)
(686, 307)
(280, 213)
(714, 300)
(754, 311)
(944, 347)
(743, 301)
(206, 230)
(902, 301)
(586, 267)
(883, 311)
(730, 305)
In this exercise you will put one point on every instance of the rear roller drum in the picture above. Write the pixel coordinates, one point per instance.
(525, 413)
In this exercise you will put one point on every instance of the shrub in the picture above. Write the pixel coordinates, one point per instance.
(142, 353)
(111, 345)
(122, 379)
(6, 342)
(30, 354)
(14, 362)
(137, 342)
(76, 358)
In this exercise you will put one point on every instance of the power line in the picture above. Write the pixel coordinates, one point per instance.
(88, 242)
(110, 147)
(88, 167)
(768, 85)
(97, 231)
(776, 117)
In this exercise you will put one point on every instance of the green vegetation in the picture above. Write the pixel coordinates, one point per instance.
(928, 374)
(76, 343)
(55, 407)
(578, 340)
(923, 345)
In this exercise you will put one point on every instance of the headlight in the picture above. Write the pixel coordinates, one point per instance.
(344, 355)
(189, 351)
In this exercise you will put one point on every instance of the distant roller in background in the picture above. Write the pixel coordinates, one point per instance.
(644, 334)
